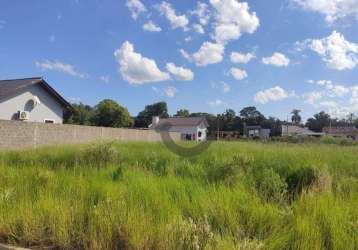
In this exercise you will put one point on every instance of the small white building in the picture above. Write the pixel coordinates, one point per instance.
(31, 99)
(191, 128)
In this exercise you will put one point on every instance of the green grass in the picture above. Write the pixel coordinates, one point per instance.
(241, 195)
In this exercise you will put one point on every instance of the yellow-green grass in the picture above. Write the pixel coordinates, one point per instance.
(236, 195)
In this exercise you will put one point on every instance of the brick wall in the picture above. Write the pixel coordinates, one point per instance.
(17, 134)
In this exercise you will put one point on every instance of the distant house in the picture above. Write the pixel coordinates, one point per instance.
(191, 128)
(345, 132)
(292, 130)
(31, 99)
(257, 132)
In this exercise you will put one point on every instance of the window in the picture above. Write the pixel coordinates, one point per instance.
(200, 134)
(49, 121)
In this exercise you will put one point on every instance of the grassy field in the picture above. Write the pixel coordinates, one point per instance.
(241, 195)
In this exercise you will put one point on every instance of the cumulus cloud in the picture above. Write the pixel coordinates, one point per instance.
(60, 67)
(170, 91)
(331, 9)
(232, 19)
(332, 89)
(237, 57)
(335, 51)
(312, 97)
(176, 21)
(137, 69)
(209, 53)
(198, 28)
(238, 74)
(202, 12)
(272, 95)
(337, 99)
(277, 59)
(180, 73)
(151, 27)
(136, 7)
(217, 103)
(223, 86)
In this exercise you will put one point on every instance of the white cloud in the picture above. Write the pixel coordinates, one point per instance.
(176, 21)
(170, 91)
(105, 79)
(238, 74)
(209, 53)
(337, 99)
(232, 19)
(277, 59)
(335, 50)
(137, 69)
(217, 103)
(332, 89)
(60, 67)
(151, 27)
(180, 73)
(198, 28)
(272, 94)
(186, 39)
(223, 86)
(237, 57)
(186, 55)
(331, 9)
(202, 12)
(136, 7)
(312, 97)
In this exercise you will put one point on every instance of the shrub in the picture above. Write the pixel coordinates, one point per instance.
(271, 187)
(300, 179)
(99, 155)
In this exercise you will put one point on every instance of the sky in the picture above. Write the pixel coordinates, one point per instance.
(204, 56)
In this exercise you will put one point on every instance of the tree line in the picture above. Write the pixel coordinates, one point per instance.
(108, 113)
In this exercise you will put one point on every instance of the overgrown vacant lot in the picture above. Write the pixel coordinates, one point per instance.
(140, 196)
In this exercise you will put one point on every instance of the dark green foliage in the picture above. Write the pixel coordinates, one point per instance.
(144, 118)
(109, 113)
(300, 179)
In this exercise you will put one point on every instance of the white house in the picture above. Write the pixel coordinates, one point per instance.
(31, 99)
(191, 128)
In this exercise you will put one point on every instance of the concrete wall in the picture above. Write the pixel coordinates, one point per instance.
(49, 108)
(17, 134)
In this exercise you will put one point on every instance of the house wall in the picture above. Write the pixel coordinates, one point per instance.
(191, 130)
(17, 134)
(48, 109)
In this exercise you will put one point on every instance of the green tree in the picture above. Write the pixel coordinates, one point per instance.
(79, 114)
(251, 116)
(182, 113)
(296, 117)
(319, 121)
(144, 118)
(109, 113)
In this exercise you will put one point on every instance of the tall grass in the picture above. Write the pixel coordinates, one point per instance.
(240, 195)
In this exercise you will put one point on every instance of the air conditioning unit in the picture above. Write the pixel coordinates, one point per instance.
(24, 115)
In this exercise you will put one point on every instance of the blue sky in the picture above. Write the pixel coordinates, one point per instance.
(205, 56)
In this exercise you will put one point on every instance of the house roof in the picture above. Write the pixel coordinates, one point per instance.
(14, 86)
(296, 130)
(182, 122)
(341, 130)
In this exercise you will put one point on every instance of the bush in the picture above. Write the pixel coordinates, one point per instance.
(99, 155)
(300, 179)
(271, 187)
